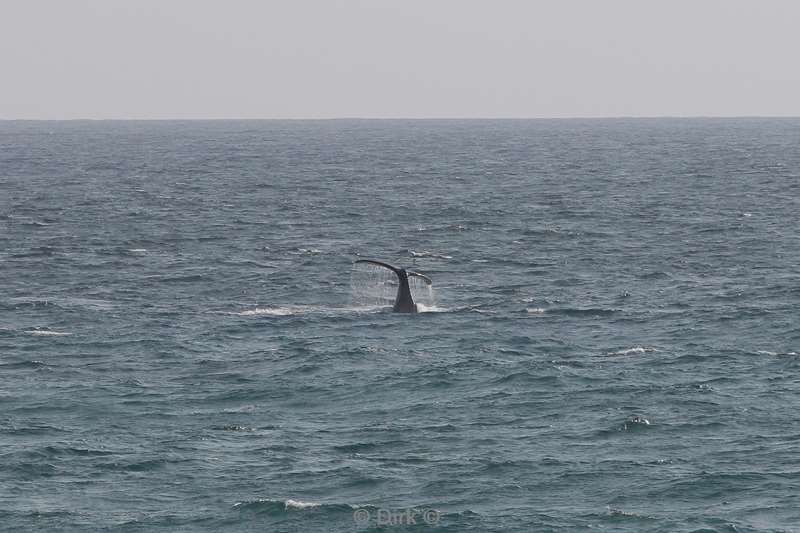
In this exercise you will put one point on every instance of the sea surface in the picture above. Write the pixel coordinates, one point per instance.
(614, 343)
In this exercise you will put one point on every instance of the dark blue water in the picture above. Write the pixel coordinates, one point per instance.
(614, 345)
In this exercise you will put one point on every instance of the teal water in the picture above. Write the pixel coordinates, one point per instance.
(613, 346)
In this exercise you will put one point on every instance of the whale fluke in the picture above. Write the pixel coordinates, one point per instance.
(403, 303)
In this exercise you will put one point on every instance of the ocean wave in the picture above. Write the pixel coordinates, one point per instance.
(620, 514)
(275, 506)
(444, 228)
(535, 310)
(47, 333)
(40, 251)
(24, 364)
(270, 311)
(525, 377)
(635, 349)
(422, 308)
(429, 254)
(771, 353)
(62, 302)
(584, 311)
(656, 274)
(232, 427)
(546, 232)
(291, 310)
(297, 504)
(32, 301)
(188, 278)
(54, 451)
(634, 423)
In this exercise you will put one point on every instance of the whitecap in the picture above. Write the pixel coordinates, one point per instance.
(288, 505)
(297, 504)
(619, 512)
(535, 310)
(290, 310)
(635, 349)
(270, 311)
(46, 332)
(137, 250)
(774, 354)
(635, 422)
(429, 254)
(422, 308)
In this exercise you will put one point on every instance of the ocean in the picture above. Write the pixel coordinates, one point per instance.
(611, 343)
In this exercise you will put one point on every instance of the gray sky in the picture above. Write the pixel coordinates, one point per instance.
(399, 58)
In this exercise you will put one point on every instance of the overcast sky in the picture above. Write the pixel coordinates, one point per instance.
(399, 58)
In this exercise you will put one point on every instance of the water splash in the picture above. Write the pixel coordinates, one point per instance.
(375, 286)
(423, 294)
(372, 286)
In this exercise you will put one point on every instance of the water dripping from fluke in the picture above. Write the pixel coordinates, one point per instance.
(375, 283)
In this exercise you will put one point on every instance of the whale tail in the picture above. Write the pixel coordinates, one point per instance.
(403, 303)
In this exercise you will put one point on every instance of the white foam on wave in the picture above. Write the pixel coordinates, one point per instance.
(619, 512)
(301, 310)
(271, 311)
(138, 250)
(773, 354)
(290, 310)
(288, 505)
(535, 310)
(430, 254)
(297, 504)
(635, 349)
(422, 308)
(45, 332)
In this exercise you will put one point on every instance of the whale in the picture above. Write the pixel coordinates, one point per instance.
(403, 302)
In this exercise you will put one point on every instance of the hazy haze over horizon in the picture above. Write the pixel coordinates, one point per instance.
(372, 59)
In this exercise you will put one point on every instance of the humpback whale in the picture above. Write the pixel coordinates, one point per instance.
(403, 303)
